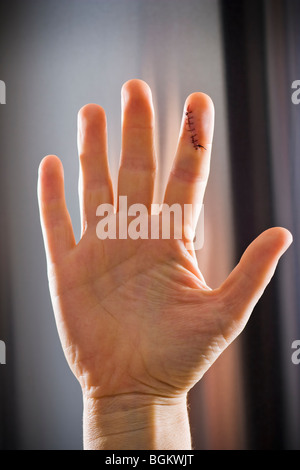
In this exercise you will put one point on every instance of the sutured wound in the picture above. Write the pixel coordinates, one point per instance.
(191, 128)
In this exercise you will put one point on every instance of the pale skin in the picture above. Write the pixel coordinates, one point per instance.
(137, 322)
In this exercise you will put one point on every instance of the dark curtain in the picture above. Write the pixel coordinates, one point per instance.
(8, 406)
(260, 39)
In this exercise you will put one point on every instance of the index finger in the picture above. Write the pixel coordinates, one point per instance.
(188, 178)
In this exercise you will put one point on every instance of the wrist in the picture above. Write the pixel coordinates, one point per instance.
(136, 422)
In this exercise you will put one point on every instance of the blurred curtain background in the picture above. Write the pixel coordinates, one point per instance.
(261, 54)
(58, 55)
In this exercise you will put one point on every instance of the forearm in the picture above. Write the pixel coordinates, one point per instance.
(132, 422)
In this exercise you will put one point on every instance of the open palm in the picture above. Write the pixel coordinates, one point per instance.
(136, 316)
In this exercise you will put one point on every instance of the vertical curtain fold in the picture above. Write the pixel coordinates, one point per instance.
(258, 43)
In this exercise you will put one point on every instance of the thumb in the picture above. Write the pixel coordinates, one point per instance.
(247, 282)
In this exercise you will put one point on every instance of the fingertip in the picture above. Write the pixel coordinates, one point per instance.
(137, 105)
(50, 179)
(135, 84)
(91, 111)
(49, 165)
(202, 100)
(136, 91)
(202, 108)
(55, 220)
(285, 236)
(91, 130)
(279, 238)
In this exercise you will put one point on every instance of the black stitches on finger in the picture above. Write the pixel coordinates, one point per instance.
(190, 126)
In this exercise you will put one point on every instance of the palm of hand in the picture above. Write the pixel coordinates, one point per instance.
(141, 321)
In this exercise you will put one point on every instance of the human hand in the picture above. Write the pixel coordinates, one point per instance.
(138, 324)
